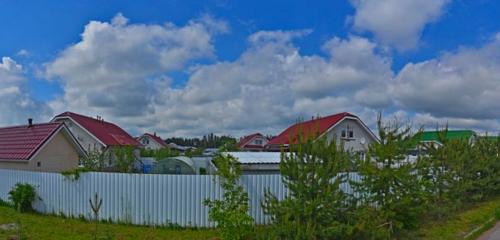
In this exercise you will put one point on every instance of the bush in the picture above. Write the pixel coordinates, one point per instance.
(230, 213)
(22, 196)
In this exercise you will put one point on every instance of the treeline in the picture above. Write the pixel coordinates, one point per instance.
(207, 141)
(392, 197)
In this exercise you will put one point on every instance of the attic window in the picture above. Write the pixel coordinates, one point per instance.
(258, 142)
(38, 164)
(347, 132)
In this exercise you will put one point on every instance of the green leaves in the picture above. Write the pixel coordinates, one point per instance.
(231, 212)
(22, 195)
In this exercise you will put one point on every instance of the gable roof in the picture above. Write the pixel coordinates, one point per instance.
(246, 139)
(106, 132)
(155, 138)
(312, 128)
(23, 142)
(433, 136)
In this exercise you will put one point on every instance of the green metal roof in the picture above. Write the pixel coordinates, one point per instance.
(430, 136)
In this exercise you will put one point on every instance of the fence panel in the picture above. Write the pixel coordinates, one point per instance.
(143, 199)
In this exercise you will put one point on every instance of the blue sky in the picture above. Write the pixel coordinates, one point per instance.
(405, 51)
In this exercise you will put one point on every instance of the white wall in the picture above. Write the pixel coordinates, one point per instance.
(354, 144)
(150, 143)
(86, 140)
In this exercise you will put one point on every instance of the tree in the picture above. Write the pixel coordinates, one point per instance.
(390, 195)
(231, 212)
(316, 207)
(125, 158)
(95, 160)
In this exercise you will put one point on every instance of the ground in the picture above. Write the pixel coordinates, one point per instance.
(35, 226)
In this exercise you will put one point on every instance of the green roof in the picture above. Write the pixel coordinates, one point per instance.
(433, 136)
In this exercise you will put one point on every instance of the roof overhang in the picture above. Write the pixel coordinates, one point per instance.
(80, 126)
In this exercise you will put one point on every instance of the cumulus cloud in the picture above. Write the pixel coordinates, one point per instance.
(16, 104)
(397, 23)
(271, 84)
(464, 84)
(112, 70)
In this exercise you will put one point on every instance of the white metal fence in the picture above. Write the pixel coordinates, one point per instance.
(143, 199)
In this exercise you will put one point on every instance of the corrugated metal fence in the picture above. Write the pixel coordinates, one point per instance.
(143, 199)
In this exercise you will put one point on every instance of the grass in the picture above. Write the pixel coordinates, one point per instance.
(36, 226)
(460, 224)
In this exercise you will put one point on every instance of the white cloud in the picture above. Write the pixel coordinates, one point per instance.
(113, 68)
(463, 84)
(16, 105)
(271, 84)
(397, 23)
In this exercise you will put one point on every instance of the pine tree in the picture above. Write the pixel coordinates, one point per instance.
(316, 206)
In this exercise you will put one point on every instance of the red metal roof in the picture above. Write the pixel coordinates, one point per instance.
(22, 142)
(247, 139)
(156, 138)
(108, 133)
(312, 128)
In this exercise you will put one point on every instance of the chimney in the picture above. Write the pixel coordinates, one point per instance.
(155, 134)
(30, 122)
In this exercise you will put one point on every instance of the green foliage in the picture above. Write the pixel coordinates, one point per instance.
(95, 160)
(315, 208)
(124, 158)
(74, 174)
(391, 196)
(194, 152)
(231, 212)
(22, 196)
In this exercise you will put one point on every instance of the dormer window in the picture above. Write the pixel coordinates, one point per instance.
(347, 132)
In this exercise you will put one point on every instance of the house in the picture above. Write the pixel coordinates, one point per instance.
(345, 128)
(257, 162)
(95, 133)
(151, 141)
(47, 147)
(253, 142)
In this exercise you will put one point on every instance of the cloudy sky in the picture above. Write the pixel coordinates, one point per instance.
(188, 68)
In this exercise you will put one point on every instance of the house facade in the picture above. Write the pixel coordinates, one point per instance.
(151, 141)
(95, 134)
(253, 142)
(48, 147)
(345, 128)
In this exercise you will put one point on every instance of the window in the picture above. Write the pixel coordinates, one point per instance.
(258, 141)
(347, 132)
(177, 169)
(38, 164)
(145, 141)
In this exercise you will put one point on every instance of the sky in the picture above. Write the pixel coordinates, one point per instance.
(189, 68)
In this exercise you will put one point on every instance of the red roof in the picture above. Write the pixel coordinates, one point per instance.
(22, 142)
(312, 128)
(246, 139)
(156, 138)
(108, 133)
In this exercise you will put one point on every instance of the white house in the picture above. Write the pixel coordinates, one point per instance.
(151, 141)
(253, 142)
(344, 127)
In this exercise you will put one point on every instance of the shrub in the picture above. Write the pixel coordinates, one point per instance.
(230, 213)
(22, 196)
